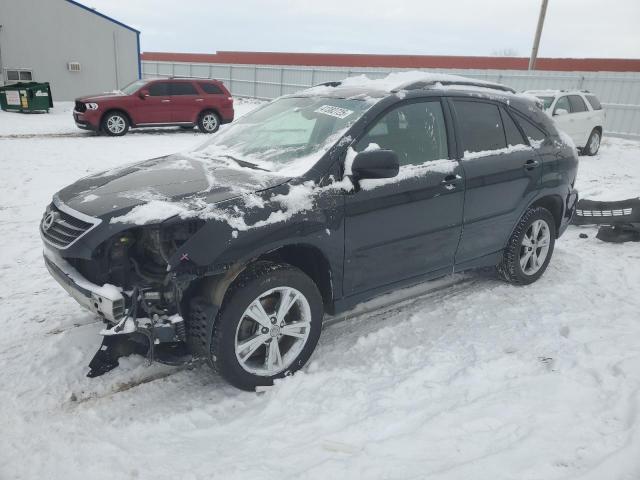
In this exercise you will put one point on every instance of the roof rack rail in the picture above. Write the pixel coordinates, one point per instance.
(190, 78)
(462, 83)
(336, 83)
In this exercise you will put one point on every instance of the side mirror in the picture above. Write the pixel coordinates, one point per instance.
(143, 94)
(375, 164)
(560, 111)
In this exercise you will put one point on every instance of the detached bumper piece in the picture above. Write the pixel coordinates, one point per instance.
(114, 347)
(620, 220)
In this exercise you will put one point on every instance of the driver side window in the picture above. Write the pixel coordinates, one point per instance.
(562, 104)
(416, 132)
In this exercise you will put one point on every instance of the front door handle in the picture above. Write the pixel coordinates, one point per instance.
(449, 182)
(531, 164)
(199, 99)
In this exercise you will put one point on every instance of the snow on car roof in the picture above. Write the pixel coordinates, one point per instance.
(400, 82)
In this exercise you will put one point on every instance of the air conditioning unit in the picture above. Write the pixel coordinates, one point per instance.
(73, 66)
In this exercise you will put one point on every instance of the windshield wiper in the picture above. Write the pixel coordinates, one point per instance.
(244, 163)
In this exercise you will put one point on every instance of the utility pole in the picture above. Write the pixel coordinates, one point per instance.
(536, 40)
(1, 69)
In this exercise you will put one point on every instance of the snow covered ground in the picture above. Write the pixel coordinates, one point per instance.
(472, 379)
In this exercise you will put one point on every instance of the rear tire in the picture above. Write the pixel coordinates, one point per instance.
(593, 144)
(530, 247)
(282, 339)
(209, 122)
(115, 124)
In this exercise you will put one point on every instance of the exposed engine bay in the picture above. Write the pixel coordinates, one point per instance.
(136, 262)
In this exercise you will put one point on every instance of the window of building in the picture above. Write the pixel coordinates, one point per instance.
(19, 75)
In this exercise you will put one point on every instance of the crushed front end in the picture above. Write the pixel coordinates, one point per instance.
(124, 279)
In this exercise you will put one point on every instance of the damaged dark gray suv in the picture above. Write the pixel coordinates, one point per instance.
(312, 203)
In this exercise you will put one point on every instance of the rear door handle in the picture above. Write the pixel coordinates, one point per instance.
(450, 181)
(165, 101)
(199, 99)
(531, 164)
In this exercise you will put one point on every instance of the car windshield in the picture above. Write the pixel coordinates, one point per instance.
(547, 102)
(133, 86)
(288, 135)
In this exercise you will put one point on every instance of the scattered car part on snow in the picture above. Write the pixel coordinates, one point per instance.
(620, 219)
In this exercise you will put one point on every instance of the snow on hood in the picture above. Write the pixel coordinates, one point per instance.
(176, 183)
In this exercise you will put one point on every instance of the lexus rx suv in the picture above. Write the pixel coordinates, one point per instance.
(312, 203)
(157, 103)
(578, 113)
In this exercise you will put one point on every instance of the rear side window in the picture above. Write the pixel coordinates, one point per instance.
(183, 88)
(577, 104)
(514, 137)
(481, 126)
(210, 88)
(533, 133)
(595, 103)
(159, 89)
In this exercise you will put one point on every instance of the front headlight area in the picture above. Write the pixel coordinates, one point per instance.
(91, 106)
(137, 260)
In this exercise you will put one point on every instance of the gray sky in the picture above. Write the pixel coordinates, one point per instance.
(574, 28)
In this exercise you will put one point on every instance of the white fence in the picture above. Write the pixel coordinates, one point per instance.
(618, 92)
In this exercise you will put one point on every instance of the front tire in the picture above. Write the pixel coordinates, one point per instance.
(268, 326)
(209, 122)
(530, 247)
(115, 124)
(593, 144)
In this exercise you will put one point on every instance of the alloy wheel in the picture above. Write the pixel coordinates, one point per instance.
(210, 122)
(273, 331)
(535, 247)
(594, 144)
(116, 124)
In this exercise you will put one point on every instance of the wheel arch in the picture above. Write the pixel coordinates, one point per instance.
(208, 109)
(553, 203)
(308, 258)
(312, 261)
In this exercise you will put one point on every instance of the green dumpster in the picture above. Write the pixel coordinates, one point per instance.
(26, 97)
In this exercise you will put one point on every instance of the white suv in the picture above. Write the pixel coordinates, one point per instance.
(578, 113)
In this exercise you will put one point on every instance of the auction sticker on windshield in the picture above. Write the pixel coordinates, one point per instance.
(334, 111)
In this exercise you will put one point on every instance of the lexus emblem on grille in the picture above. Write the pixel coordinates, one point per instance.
(49, 220)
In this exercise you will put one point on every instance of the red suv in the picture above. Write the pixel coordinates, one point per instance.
(155, 103)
